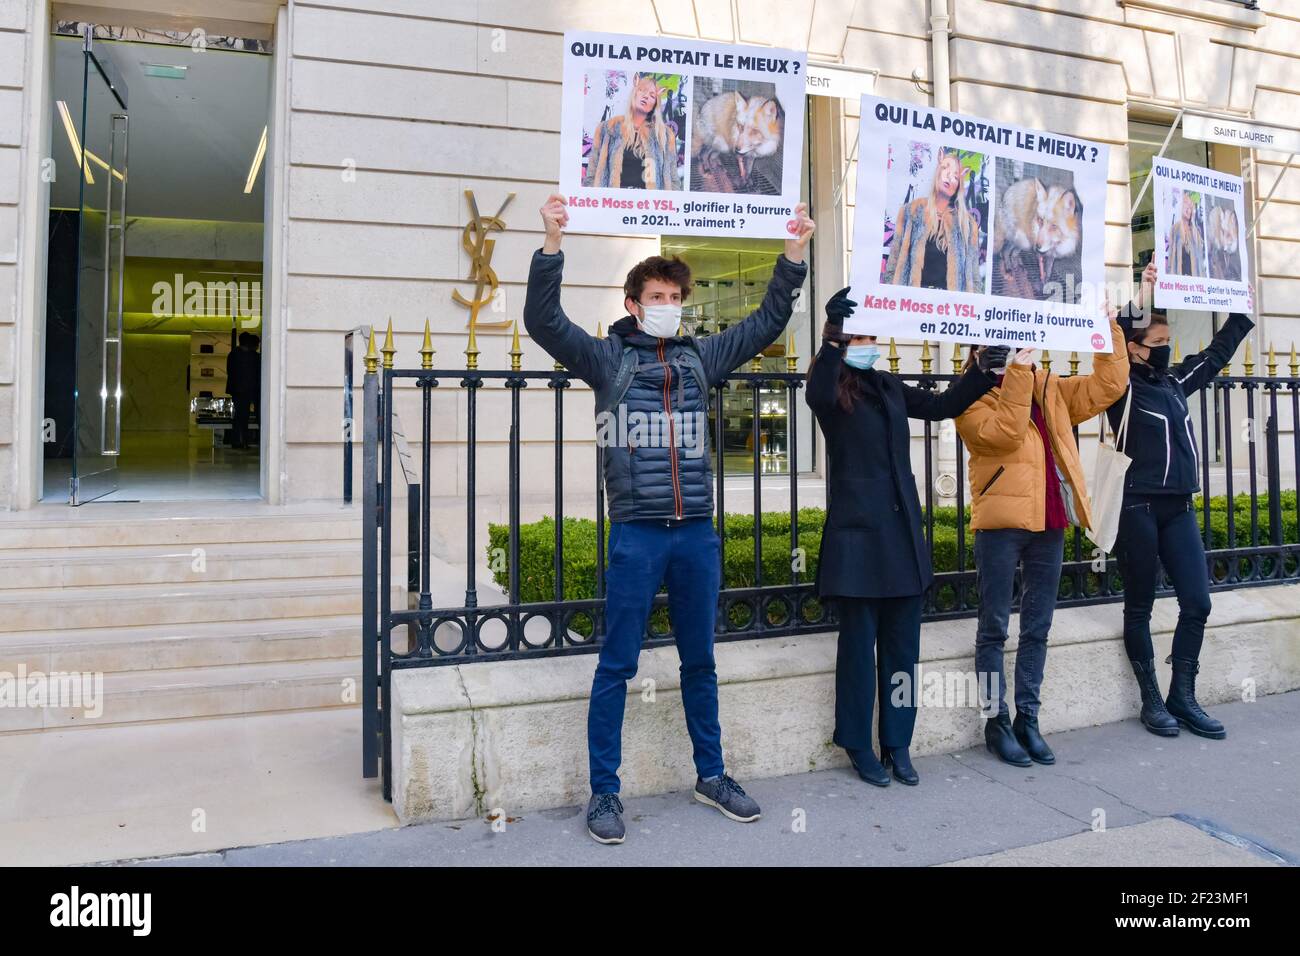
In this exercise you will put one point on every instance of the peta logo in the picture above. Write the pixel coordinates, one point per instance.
(1098, 342)
(103, 909)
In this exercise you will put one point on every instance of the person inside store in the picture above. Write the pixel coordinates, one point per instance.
(244, 385)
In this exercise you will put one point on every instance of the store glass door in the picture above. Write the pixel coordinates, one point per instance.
(103, 129)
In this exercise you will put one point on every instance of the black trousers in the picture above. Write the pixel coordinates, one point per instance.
(879, 646)
(1159, 530)
(243, 408)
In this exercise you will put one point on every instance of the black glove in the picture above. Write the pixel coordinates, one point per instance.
(838, 308)
(992, 357)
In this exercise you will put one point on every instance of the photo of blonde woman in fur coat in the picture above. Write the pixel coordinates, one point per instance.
(936, 243)
(636, 149)
(1186, 241)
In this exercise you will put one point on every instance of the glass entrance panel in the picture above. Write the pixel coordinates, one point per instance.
(102, 144)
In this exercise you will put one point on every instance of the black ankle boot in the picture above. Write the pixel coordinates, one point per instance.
(1154, 716)
(1001, 742)
(901, 761)
(868, 767)
(1026, 730)
(1182, 701)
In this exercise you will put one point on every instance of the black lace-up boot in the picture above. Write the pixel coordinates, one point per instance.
(1182, 701)
(1154, 716)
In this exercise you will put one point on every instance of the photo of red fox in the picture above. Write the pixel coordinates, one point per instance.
(1225, 239)
(1037, 233)
(737, 137)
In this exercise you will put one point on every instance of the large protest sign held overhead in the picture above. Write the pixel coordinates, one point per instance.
(1200, 243)
(977, 230)
(665, 135)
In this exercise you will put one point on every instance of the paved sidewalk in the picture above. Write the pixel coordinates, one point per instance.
(104, 793)
(1182, 801)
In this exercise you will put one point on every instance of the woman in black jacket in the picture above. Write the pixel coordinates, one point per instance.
(1158, 524)
(873, 558)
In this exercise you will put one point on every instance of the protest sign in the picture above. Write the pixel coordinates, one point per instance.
(977, 230)
(667, 135)
(1200, 248)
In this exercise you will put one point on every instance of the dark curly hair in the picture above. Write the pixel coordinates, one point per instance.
(672, 270)
(1136, 334)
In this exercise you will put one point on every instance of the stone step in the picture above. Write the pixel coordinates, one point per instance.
(186, 693)
(169, 646)
(138, 605)
(109, 525)
(160, 564)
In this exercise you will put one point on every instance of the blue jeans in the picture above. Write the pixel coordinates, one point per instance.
(643, 554)
(1163, 527)
(997, 553)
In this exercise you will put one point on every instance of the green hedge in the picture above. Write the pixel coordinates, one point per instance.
(537, 546)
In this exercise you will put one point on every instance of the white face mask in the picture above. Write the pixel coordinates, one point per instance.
(661, 321)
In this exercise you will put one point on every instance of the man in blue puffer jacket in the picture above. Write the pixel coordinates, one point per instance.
(652, 400)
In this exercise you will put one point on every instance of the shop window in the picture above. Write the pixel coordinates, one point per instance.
(731, 277)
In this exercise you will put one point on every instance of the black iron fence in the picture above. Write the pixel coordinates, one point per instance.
(1251, 533)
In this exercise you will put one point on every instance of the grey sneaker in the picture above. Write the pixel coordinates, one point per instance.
(725, 794)
(605, 818)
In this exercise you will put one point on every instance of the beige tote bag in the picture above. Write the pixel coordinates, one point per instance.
(1108, 482)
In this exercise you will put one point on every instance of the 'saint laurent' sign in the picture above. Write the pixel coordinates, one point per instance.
(1243, 133)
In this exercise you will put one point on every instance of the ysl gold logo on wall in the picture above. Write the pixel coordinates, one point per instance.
(479, 247)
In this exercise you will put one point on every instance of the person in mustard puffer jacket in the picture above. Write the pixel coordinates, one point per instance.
(1027, 487)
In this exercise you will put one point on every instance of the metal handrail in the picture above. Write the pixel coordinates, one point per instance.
(349, 360)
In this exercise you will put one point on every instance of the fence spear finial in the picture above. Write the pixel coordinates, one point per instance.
(1178, 351)
(1249, 360)
(427, 349)
(1047, 361)
(1272, 361)
(372, 355)
(791, 354)
(389, 349)
(956, 358)
(600, 332)
(893, 356)
(515, 352)
(1294, 363)
(471, 347)
(756, 363)
(927, 360)
(1074, 363)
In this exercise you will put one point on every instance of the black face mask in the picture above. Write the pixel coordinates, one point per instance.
(1158, 357)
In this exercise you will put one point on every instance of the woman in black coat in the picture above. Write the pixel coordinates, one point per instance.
(874, 561)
